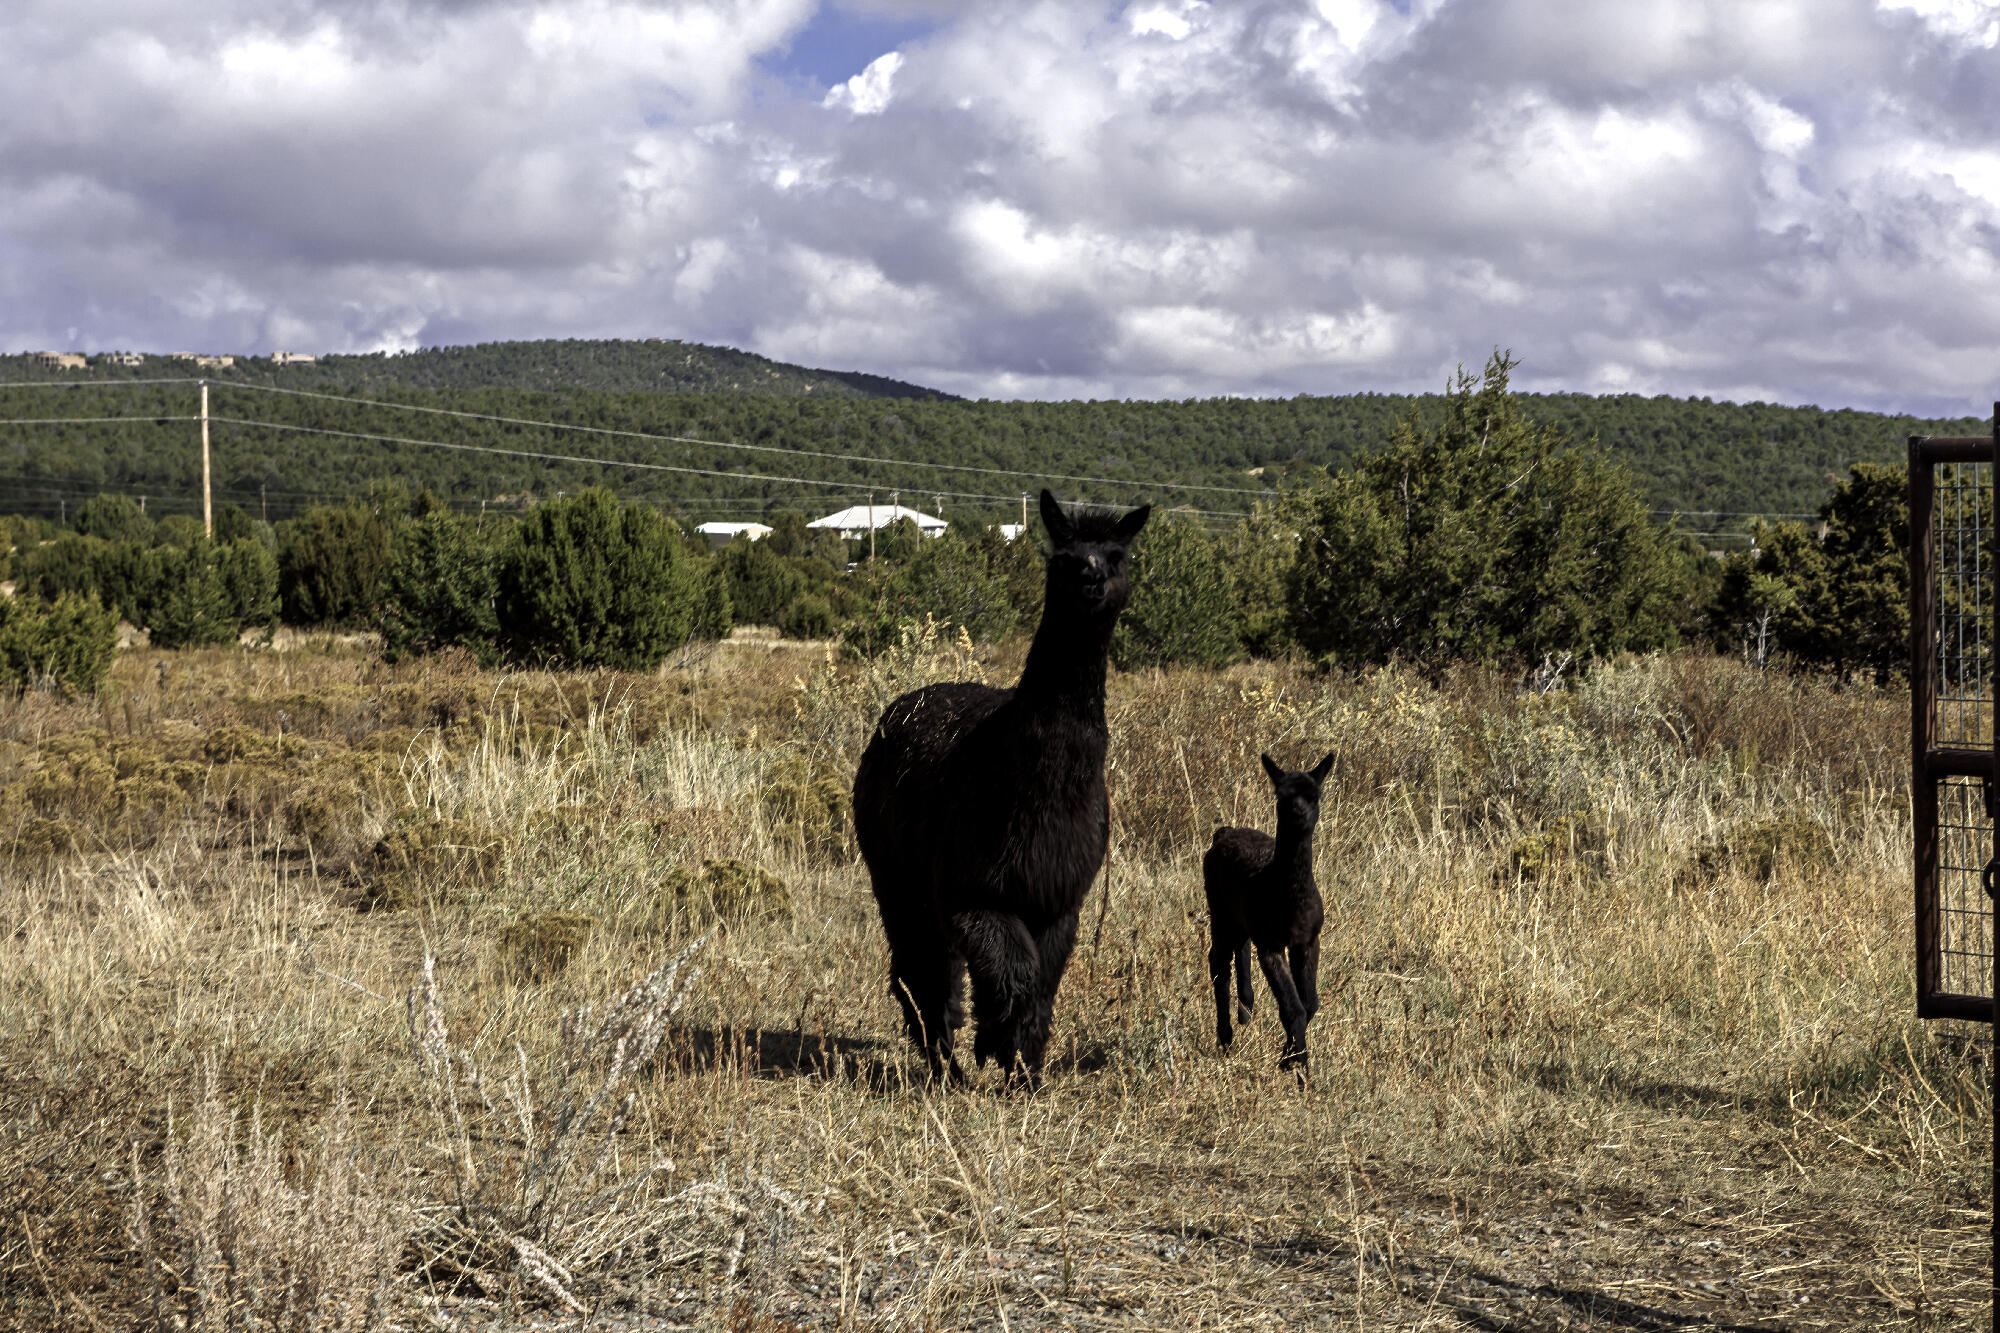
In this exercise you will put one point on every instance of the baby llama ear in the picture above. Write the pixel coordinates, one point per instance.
(1323, 767)
(1055, 520)
(1271, 767)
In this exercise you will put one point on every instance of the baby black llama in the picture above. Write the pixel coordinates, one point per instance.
(983, 817)
(1261, 892)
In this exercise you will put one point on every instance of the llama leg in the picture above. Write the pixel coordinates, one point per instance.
(1052, 950)
(1291, 1010)
(1305, 974)
(922, 976)
(1246, 981)
(1219, 957)
(1004, 965)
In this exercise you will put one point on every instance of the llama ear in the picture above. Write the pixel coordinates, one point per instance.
(1128, 527)
(1271, 767)
(1323, 767)
(1055, 520)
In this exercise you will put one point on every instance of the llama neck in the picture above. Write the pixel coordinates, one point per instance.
(1294, 851)
(1065, 666)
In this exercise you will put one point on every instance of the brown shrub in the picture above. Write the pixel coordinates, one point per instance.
(806, 805)
(1759, 849)
(732, 892)
(434, 861)
(540, 945)
(41, 842)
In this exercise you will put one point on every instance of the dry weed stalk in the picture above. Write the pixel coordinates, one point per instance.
(244, 1247)
(539, 1191)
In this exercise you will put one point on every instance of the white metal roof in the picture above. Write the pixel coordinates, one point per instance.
(862, 517)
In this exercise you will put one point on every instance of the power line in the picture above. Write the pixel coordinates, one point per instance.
(758, 448)
(1726, 513)
(148, 419)
(91, 384)
(541, 456)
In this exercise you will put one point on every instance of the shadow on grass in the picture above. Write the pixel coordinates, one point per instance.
(1473, 1290)
(782, 1053)
(865, 1062)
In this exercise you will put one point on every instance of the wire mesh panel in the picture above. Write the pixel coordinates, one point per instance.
(1965, 913)
(1952, 639)
(1964, 544)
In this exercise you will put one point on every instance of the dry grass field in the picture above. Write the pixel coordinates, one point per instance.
(336, 995)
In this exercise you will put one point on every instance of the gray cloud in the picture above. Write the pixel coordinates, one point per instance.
(1793, 200)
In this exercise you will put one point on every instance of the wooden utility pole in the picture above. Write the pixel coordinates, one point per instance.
(1024, 513)
(871, 527)
(207, 507)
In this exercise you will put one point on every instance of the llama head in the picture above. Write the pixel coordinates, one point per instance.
(1089, 572)
(1297, 793)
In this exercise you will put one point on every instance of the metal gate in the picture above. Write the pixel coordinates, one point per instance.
(1953, 633)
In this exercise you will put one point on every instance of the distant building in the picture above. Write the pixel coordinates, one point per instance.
(721, 534)
(856, 520)
(122, 359)
(206, 362)
(1009, 531)
(58, 360)
(292, 359)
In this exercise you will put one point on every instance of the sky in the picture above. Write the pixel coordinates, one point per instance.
(1792, 201)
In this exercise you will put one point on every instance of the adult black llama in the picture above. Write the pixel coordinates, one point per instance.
(1261, 892)
(983, 817)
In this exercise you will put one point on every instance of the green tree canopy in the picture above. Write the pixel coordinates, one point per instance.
(1184, 609)
(587, 582)
(1486, 538)
(762, 583)
(330, 566)
(440, 588)
(1837, 597)
(66, 644)
(115, 518)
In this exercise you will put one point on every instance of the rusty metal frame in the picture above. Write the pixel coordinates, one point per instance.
(1943, 765)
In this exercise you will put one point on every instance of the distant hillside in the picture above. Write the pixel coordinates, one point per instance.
(774, 437)
(652, 365)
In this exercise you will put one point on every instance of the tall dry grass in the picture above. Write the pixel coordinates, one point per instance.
(1616, 991)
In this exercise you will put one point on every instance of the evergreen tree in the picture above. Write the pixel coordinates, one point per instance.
(1838, 597)
(193, 605)
(761, 582)
(330, 566)
(1867, 544)
(232, 525)
(249, 574)
(947, 578)
(1184, 609)
(1260, 552)
(440, 588)
(1487, 538)
(178, 530)
(791, 538)
(1019, 567)
(587, 582)
(713, 615)
(67, 643)
(114, 518)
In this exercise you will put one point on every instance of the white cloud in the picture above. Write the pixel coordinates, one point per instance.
(1795, 197)
(869, 92)
(1968, 22)
(1168, 20)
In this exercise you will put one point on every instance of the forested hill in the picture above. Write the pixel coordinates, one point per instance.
(653, 365)
(1689, 455)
